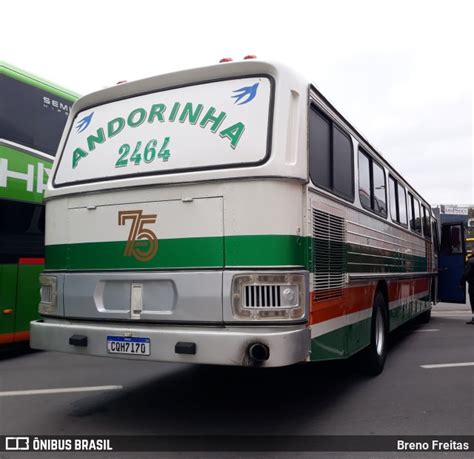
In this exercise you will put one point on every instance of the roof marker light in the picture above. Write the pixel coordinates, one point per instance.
(250, 56)
(225, 59)
(121, 82)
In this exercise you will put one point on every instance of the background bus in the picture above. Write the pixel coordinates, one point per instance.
(33, 113)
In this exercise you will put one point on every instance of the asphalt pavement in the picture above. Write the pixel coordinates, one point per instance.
(427, 388)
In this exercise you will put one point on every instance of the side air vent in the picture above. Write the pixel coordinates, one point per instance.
(329, 255)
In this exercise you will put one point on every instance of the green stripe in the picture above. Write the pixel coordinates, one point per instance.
(267, 250)
(231, 251)
(341, 343)
(371, 259)
(32, 80)
(349, 339)
(172, 253)
(402, 314)
(206, 252)
(340, 257)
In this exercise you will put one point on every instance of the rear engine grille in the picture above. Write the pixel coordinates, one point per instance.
(262, 296)
(329, 255)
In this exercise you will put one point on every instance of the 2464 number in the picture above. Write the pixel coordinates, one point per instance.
(150, 153)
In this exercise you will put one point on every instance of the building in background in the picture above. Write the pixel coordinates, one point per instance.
(452, 213)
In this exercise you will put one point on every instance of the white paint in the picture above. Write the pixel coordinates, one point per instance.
(428, 330)
(449, 365)
(61, 390)
(339, 322)
(451, 313)
(172, 220)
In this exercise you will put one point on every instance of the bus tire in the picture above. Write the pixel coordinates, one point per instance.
(375, 354)
(424, 317)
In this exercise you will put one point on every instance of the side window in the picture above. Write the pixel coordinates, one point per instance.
(410, 212)
(426, 222)
(402, 204)
(416, 215)
(434, 229)
(320, 150)
(364, 181)
(372, 185)
(451, 241)
(343, 172)
(331, 159)
(24, 119)
(398, 201)
(392, 186)
(380, 196)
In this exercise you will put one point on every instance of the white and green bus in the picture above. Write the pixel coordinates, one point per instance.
(228, 215)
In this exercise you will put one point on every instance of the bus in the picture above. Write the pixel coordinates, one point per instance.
(33, 114)
(229, 215)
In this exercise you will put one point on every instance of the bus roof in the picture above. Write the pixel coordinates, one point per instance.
(33, 80)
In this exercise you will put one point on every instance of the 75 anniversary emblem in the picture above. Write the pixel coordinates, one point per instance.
(142, 243)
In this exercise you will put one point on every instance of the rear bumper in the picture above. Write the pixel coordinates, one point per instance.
(214, 345)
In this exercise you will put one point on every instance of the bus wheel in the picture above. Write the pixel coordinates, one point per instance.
(424, 317)
(375, 354)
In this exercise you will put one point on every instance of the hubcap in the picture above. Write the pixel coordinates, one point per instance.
(379, 332)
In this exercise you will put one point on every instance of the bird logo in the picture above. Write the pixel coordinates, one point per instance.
(84, 123)
(245, 95)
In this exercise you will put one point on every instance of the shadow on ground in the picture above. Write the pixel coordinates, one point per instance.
(13, 351)
(222, 400)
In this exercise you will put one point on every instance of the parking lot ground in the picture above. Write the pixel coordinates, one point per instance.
(47, 393)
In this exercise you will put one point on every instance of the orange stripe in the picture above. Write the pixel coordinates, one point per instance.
(22, 336)
(353, 299)
(7, 338)
(31, 261)
(398, 289)
(358, 298)
(17, 337)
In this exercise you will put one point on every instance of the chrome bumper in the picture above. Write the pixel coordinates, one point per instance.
(214, 345)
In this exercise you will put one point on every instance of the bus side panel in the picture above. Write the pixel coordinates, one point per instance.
(347, 248)
(8, 287)
(27, 299)
(341, 326)
(407, 299)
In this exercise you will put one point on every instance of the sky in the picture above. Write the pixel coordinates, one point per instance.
(400, 71)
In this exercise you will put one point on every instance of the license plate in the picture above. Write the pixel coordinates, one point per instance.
(128, 345)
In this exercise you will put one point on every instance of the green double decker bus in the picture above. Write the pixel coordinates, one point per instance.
(33, 113)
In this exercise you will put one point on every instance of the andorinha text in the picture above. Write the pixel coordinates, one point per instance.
(193, 114)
